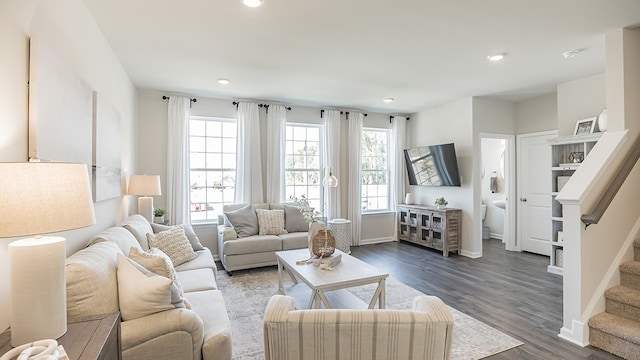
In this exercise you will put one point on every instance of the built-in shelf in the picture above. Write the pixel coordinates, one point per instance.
(562, 168)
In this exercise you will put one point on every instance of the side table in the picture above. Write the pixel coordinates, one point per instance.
(341, 230)
(90, 338)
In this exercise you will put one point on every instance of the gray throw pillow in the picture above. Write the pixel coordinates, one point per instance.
(244, 220)
(293, 219)
(188, 231)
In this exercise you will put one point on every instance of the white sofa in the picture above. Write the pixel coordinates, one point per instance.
(423, 333)
(245, 252)
(200, 333)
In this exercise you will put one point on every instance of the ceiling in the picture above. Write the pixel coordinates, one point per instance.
(353, 53)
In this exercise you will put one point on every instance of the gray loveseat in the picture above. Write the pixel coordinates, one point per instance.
(203, 332)
(240, 248)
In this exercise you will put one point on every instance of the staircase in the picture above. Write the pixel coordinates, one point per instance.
(617, 330)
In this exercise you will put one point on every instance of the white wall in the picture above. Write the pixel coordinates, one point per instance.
(67, 27)
(580, 99)
(538, 114)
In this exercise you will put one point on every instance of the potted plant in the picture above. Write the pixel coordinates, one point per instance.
(158, 216)
(441, 202)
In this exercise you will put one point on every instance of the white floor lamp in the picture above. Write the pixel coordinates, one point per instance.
(40, 198)
(145, 186)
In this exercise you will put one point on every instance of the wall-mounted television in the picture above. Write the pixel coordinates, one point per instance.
(435, 165)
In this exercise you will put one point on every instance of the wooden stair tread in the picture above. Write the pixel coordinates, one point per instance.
(617, 326)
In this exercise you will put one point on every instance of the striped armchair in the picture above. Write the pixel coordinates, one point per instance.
(422, 333)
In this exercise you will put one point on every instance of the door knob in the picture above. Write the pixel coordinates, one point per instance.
(523, 199)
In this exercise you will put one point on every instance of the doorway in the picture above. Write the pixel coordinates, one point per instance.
(498, 191)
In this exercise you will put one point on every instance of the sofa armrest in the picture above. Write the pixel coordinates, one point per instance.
(226, 233)
(135, 333)
(278, 308)
(435, 309)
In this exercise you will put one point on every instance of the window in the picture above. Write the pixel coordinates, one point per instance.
(302, 163)
(213, 166)
(374, 157)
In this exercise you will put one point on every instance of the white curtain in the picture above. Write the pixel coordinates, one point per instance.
(248, 165)
(354, 190)
(397, 166)
(178, 201)
(332, 156)
(276, 124)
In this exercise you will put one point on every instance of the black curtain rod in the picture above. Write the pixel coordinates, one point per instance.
(164, 97)
(341, 112)
(391, 117)
(266, 106)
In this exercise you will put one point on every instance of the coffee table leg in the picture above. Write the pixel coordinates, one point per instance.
(382, 301)
(280, 285)
(379, 296)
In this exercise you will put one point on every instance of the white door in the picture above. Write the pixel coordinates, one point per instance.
(534, 191)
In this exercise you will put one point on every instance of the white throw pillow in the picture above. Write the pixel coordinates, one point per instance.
(142, 292)
(174, 243)
(188, 230)
(160, 264)
(271, 222)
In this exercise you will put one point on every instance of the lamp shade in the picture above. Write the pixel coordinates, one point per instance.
(38, 198)
(44, 197)
(330, 180)
(145, 185)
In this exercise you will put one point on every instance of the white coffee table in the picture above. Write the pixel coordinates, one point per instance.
(327, 286)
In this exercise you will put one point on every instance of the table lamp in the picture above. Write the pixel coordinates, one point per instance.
(146, 186)
(40, 198)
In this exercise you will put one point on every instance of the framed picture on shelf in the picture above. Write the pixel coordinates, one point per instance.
(585, 126)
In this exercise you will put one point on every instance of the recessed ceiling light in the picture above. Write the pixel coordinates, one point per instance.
(253, 3)
(223, 81)
(388, 100)
(571, 53)
(496, 57)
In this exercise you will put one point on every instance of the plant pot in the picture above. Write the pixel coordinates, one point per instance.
(442, 207)
(158, 219)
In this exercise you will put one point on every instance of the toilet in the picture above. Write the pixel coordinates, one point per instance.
(486, 231)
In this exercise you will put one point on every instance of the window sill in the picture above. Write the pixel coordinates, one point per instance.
(381, 212)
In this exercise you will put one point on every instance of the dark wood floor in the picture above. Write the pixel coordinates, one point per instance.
(510, 291)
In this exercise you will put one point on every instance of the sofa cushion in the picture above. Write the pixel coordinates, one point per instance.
(120, 236)
(295, 240)
(158, 263)
(244, 220)
(92, 285)
(270, 222)
(253, 244)
(293, 218)
(204, 260)
(188, 231)
(210, 306)
(197, 280)
(139, 227)
(233, 207)
(142, 292)
(174, 243)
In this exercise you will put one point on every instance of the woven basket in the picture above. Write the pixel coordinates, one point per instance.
(324, 244)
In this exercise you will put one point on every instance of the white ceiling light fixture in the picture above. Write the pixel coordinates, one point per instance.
(253, 3)
(571, 53)
(388, 100)
(496, 57)
(224, 81)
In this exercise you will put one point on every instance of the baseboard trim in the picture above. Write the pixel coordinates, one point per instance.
(576, 335)
(469, 254)
(376, 240)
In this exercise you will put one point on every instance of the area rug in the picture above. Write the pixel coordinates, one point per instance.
(247, 293)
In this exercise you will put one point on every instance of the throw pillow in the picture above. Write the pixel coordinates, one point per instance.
(244, 220)
(271, 222)
(160, 264)
(142, 292)
(294, 220)
(188, 230)
(174, 243)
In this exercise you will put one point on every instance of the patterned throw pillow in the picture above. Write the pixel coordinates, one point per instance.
(174, 243)
(271, 222)
(158, 263)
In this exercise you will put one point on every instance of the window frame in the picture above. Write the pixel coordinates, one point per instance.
(388, 133)
(191, 169)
